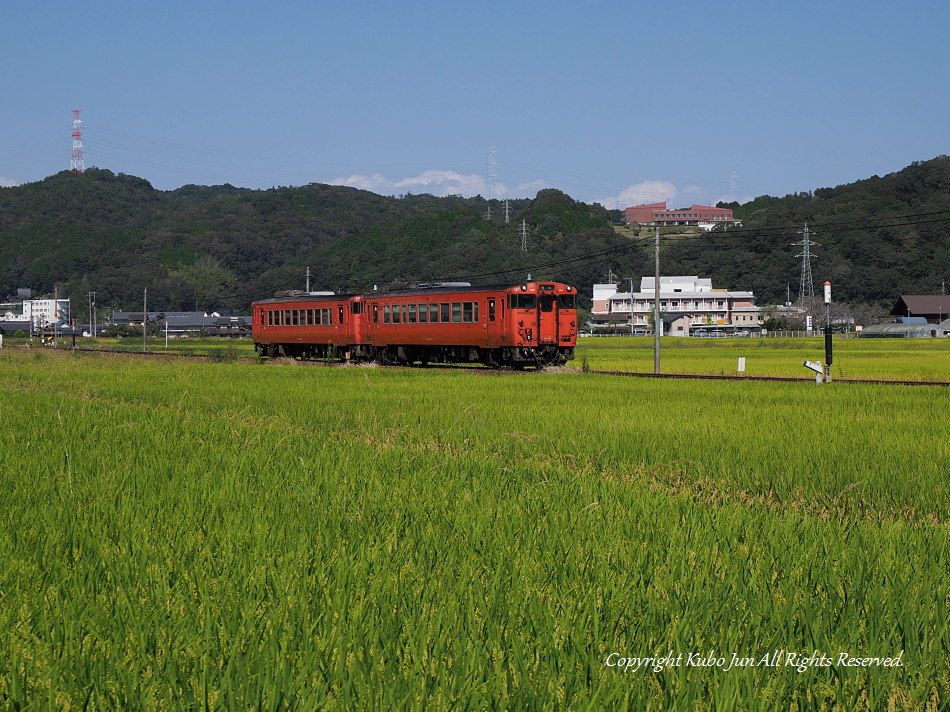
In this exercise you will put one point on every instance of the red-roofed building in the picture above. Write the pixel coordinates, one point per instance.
(658, 214)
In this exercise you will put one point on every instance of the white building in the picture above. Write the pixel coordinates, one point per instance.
(686, 304)
(41, 312)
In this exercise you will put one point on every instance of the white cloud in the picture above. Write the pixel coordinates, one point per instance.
(374, 182)
(446, 183)
(433, 181)
(649, 191)
(7, 182)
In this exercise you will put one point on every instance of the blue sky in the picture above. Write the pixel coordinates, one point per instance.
(616, 102)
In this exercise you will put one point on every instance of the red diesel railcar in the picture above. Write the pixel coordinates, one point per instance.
(531, 324)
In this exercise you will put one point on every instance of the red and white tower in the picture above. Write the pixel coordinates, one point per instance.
(76, 165)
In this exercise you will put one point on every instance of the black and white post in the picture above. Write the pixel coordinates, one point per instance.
(827, 332)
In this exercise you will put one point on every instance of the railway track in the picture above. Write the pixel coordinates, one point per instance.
(628, 374)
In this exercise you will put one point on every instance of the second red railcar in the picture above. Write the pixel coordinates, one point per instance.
(530, 324)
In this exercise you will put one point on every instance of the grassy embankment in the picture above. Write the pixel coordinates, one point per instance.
(224, 536)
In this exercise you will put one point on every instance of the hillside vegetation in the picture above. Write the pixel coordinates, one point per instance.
(220, 246)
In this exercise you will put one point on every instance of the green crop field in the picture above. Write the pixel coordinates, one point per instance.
(233, 535)
(876, 359)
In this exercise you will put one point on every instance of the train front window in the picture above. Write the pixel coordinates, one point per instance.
(547, 304)
(522, 301)
(567, 301)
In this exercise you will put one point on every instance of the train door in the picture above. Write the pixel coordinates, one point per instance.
(493, 320)
(547, 315)
(353, 323)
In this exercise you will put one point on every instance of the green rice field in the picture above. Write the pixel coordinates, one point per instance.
(235, 535)
(876, 359)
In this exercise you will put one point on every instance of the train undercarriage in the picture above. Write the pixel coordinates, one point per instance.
(509, 357)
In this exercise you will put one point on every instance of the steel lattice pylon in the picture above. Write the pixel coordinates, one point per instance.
(806, 286)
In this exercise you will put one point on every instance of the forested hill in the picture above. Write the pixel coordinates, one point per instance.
(221, 246)
(878, 238)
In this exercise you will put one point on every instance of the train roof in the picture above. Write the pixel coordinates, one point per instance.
(402, 291)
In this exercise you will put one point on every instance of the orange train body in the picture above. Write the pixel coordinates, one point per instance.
(530, 324)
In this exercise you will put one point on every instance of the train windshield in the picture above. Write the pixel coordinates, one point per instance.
(522, 301)
(567, 301)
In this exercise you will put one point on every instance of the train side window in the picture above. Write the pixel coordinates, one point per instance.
(310, 317)
(327, 316)
(467, 312)
(341, 314)
(270, 318)
(286, 317)
(423, 313)
(444, 312)
(412, 314)
(318, 317)
(476, 312)
(397, 313)
(456, 312)
(386, 314)
(433, 313)
(294, 315)
(491, 311)
(376, 313)
(567, 301)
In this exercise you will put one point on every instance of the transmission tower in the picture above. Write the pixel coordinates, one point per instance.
(491, 178)
(806, 288)
(507, 210)
(732, 187)
(76, 165)
(524, 236)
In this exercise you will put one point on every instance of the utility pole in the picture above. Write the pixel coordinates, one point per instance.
(92, 313)
(827, 332)
(631, 305)
(491, 179)
(308, 279)
(656, 303)
(144, 317)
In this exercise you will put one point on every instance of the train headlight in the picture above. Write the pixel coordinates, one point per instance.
(524, 287)
(569, 288)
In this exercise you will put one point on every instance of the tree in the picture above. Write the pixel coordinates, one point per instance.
(213, 284)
